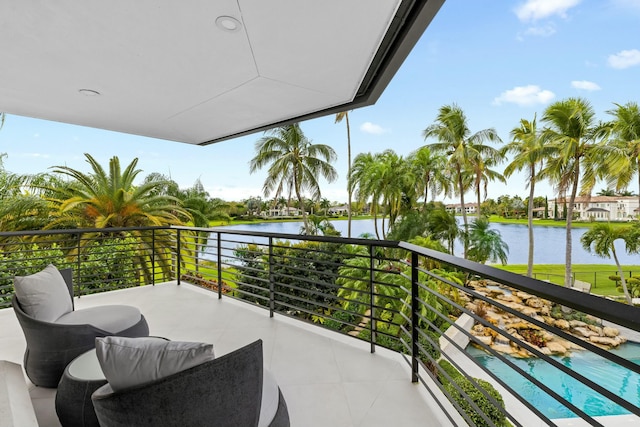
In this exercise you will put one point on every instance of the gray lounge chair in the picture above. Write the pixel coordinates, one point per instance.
(52, 345)
(226, 391)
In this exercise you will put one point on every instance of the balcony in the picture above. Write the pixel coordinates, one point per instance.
(349, 325)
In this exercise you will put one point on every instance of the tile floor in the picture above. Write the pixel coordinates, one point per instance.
(327, 379)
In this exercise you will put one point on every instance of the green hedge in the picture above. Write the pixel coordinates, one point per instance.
(485, 405)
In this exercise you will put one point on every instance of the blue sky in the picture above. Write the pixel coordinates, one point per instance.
(499, 60)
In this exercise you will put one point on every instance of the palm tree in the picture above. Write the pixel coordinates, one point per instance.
(107, 200)
(573, 134)
(104, 200)
(600, 239)
(481, 169)
(486, 244)
(339, 117)
(443, 226)
(429, 169)
(293, 162)
(325, 204)
(457, 142)
(626, 139)
(363, 181)
(396, 182)
(530, 152)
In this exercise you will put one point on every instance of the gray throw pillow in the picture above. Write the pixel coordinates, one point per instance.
(129, 362)
(43, 295)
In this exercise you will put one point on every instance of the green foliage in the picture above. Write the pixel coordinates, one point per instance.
(303, 274)
(23, 261)
(473, 393)
(109, 263)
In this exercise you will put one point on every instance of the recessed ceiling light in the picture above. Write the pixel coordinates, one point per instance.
(89, 92)
(228, 23)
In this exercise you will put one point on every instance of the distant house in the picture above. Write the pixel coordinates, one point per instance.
(599, 208)
(470, 208)
(281, 212)
(338, 210)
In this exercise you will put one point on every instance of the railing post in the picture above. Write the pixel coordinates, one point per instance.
(79, 281)
(219, 260)
(272, 293)
(179, 272)
(372, 312)
(153, 257)
(414, 317)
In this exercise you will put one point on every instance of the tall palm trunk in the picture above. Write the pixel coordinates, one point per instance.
(305, 220)
(621, 275)
(478, 214)
(464, 211)
(349, 197)
(532, 183)
(567, 255)
(638, 169)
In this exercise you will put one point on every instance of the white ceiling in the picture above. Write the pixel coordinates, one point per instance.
(165, 69)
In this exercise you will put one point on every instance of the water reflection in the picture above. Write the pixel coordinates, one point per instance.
(549, 241)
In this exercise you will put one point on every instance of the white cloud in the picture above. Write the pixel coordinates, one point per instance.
(544, 31)
(525, 96)
(35, 155)
(372, 128)
(533, 10)
(585, 85)
(624, 59)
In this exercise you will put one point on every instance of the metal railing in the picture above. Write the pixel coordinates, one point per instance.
(424, 304)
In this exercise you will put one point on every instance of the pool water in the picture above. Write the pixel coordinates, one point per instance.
(614, 378)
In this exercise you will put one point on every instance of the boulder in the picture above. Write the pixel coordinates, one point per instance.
(503, 348)
(535, 303)
(488, 340)
(596, 329)
(584, 332)
(577, 324)
(556, 348)
(610, 342)
(477, 329)
(562, 324)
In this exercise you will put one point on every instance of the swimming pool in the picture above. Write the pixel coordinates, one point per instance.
(620, 381)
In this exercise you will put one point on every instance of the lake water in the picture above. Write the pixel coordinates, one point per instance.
(549, 241)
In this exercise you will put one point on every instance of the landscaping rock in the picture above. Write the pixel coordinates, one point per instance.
(584, 332)
(562, 324)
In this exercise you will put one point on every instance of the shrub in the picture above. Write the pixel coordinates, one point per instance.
(473, 393)
(24, 261)
(303, 274)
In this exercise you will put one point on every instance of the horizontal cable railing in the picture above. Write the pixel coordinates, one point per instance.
(469, 332)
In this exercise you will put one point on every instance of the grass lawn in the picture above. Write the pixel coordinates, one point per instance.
(596, 274)
(551, 222)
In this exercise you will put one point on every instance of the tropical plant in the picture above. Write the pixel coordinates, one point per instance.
(363, 182)
(486, 244)
(104, 200)
(108, 200)
(339, 117)
(456, 141)
(600, 240)
(573, 134)
(530, 152)
(443, 226)
(626, 141)
(295, 163)
(430, 172)
(481, 170)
